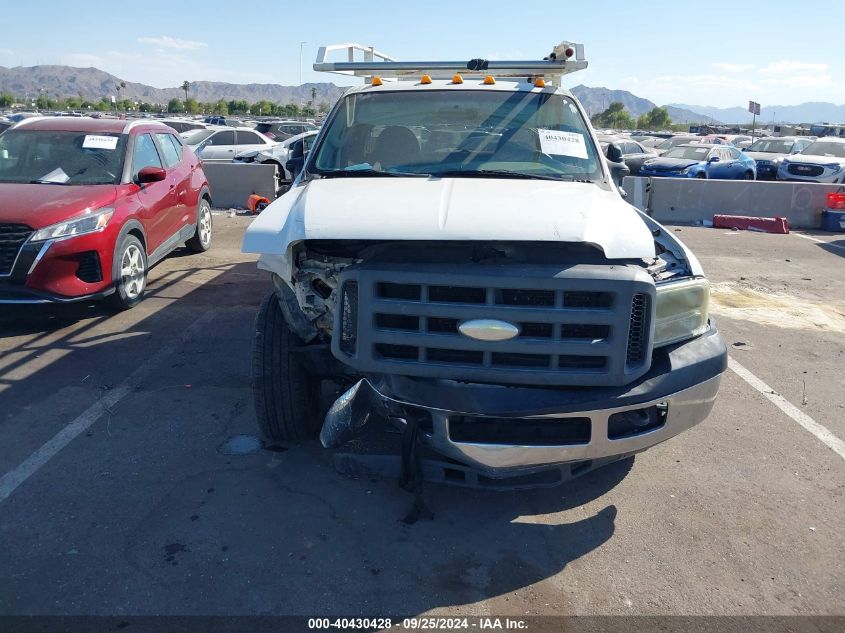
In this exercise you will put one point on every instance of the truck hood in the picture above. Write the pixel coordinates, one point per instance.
(451, 209)
(42, 205)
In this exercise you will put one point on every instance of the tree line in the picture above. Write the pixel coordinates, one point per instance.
(617, 117)
(174, 106)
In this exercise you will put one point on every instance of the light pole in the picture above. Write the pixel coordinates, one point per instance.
(301, 44)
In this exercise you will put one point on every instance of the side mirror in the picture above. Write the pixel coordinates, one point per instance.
(713, 159)
(297, 150)
(618, 171)
(614, 153)
(151, 174)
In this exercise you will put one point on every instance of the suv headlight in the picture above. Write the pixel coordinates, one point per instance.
(88, 223)
(682, 311)
(834, 167)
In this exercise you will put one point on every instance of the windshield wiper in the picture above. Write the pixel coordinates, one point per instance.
(367, 173)
(46, 182)
(504, 173)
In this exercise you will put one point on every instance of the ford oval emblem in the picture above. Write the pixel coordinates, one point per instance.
(488, 330)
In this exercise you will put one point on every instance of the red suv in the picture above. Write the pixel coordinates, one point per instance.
(87, 206)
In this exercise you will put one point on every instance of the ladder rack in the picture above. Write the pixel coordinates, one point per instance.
(565, 58)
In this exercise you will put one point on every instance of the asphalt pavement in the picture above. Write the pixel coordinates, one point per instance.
(120, 495)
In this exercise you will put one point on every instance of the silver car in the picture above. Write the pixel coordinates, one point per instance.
(278, 154)
(822, 161)
(223, 143)
(770, 151)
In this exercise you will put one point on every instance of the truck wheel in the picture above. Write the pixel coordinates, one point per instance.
(286, 396)
(201, 241)
(749, 175)
(129, 273)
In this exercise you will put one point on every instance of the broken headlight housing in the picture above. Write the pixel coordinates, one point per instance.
(682, 311)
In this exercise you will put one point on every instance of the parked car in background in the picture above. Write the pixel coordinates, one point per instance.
(278, 154)
(5, 124)
(222, 144)
(821, 161)
(87, 206)
(675, 141)
(769, 153)
(702, 160)
(628, 151)
(283, 130)
(184, 125)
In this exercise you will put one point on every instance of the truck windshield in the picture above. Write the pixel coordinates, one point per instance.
(61, 158)
(458, 132)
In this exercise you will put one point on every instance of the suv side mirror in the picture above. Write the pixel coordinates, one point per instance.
(618, 171)
(713, 159)
(151, 174)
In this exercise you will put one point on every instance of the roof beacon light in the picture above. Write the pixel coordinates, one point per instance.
(489, 80)
(457, 79)
(539, 82)
(376, 81)
(426, 79)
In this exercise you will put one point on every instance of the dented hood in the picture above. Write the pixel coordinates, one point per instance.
(451, 209)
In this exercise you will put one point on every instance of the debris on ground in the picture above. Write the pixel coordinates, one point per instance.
(777, 224)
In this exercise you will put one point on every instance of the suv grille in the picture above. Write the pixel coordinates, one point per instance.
(589, 328)
(800, 169)
(12, 237)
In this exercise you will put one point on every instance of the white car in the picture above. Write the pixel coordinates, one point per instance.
(822, 161)
(221, 144)
(278, 154)
(456, 253)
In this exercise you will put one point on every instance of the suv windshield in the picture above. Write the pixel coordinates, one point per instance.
(771, 146)
(61, 158)
(458, 132)
(821, 148)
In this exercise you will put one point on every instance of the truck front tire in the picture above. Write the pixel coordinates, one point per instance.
(286, 395)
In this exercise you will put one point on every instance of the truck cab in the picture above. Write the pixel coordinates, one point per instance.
(456, 255)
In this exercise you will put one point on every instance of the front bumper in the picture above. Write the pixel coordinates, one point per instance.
(682, 383)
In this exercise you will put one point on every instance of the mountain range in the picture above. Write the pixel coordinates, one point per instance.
(94, 84)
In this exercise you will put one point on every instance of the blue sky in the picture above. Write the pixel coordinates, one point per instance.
(713, 53)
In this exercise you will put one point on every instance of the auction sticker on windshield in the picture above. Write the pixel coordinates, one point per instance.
(93, 141)
(559, 143)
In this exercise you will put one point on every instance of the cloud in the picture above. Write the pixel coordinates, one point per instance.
(175, 43)
(733, 68)
(790, 67)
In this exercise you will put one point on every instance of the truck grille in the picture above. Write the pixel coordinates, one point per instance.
(12, 237)
(590, 327)
(800, 169)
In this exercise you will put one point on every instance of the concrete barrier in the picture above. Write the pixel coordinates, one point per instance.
(686, 201)
(232, 183)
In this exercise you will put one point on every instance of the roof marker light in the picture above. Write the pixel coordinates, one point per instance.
(457, 79)
(426, 79)
(489, 80)
(539, 82)
(376, 81)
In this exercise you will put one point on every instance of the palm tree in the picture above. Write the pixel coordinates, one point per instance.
(185, 86)
(119, 87)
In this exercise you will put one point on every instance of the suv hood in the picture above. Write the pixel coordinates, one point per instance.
(451, 209)
(815, 160)
(769, 156)
(42, 205)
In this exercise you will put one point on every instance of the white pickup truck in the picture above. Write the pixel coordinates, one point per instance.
(457, 255)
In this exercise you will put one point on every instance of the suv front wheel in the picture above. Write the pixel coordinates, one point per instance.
(286, 395)
(129, 273)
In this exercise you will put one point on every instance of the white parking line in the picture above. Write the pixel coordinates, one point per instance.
(828, 438)
(14, 478)
(813, 239)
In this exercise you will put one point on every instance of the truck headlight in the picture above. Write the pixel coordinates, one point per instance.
(88, 223)
(681, 311)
